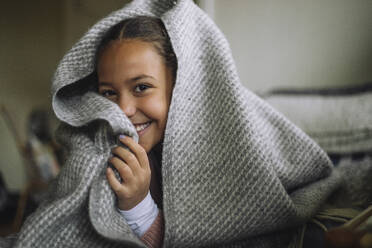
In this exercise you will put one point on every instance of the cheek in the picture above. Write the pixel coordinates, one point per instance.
(157, 109)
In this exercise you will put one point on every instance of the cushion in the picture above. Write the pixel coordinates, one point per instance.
(339, 120)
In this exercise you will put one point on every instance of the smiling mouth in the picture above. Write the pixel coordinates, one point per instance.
(142, 127)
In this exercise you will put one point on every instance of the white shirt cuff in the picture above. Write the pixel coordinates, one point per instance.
(141, 217)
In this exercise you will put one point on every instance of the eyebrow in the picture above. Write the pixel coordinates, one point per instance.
(134, 79)
(142, 76)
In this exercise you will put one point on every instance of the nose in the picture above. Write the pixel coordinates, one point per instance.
(128, 105)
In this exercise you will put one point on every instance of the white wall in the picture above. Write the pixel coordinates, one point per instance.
(313, 43)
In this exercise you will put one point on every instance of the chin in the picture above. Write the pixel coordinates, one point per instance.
(145, 146)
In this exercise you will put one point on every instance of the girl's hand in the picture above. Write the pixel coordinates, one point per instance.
(134, 170)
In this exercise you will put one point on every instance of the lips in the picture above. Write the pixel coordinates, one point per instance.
(142, 126)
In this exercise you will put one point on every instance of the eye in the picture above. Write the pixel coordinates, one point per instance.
(107, 93)
(140, 88)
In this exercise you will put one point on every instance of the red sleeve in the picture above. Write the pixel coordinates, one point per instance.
(153, 237)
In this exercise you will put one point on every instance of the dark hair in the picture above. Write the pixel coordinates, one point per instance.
(144, 28)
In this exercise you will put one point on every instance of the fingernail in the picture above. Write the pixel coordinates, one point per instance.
(122, 136)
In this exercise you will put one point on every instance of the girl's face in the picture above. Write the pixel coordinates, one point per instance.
(132, 74)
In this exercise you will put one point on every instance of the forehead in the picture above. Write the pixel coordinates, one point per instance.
(129, 56)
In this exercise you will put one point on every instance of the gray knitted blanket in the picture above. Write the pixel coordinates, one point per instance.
(236, 173)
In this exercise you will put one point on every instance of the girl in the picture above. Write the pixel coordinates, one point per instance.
(214, 164)
(136, 67)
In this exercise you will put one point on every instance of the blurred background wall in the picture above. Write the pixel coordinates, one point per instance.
(301, 43)
(34, 37)
(30, 46)
(285, 43)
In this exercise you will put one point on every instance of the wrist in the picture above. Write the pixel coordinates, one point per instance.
(126, 205)
(141, 216)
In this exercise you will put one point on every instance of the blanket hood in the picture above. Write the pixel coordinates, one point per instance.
(235, 171)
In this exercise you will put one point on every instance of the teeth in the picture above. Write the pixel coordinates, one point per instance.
(142, 126)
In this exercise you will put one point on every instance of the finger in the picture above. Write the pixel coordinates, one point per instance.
(128, 157)
(124, 170)
(137, 150)
(114, 182)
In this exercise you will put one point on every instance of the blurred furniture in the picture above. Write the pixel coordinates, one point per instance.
(340, 121)
(39, 161)
(356, 233)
